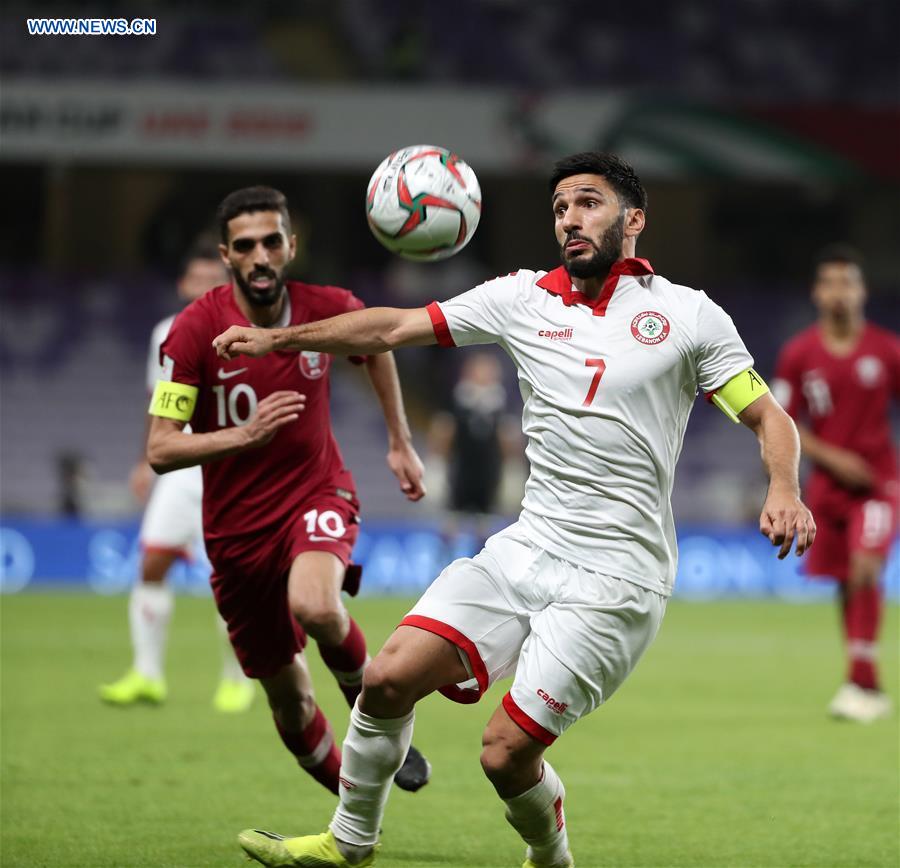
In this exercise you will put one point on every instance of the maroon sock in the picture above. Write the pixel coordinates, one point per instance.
(862, 619)
(347, 662)
(315, 750)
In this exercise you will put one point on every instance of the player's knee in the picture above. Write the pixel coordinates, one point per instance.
(155, 566)
(384, 687)
(325, 622)
(865, 573)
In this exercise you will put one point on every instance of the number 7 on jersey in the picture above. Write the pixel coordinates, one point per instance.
(600, 365)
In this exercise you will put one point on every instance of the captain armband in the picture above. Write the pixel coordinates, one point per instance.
(739, 393)
(173, 401)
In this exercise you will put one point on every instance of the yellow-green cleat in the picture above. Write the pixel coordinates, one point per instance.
(133, 688)
(311, 851)
(569, 863)
(233, 697)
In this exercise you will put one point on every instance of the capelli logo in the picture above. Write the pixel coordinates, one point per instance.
(554, 705)
(558, 335)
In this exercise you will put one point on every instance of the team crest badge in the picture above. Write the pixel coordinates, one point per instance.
(868, 370)
(650, 327)
(313, 365)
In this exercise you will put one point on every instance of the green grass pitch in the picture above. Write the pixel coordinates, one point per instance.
(717, 752)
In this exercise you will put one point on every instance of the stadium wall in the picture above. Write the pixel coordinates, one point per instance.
(398, 558)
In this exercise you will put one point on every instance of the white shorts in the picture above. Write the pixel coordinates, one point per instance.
(173, 520)
(571, 635)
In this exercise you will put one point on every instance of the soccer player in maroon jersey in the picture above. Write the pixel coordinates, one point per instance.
(280, 513)
(837, 378)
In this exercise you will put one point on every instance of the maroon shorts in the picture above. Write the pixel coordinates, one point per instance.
(250, 574)
(867, 526)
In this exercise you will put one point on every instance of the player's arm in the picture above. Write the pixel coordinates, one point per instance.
(140, 480)
(784, 518)
(360, 332)
(849, 468)
(510, 432)
(441, 434)
(402, 457)
(170, 448)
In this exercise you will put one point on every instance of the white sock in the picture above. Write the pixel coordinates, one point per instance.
(231, 669)
(149, 612)
(537, 815)
(373, 752)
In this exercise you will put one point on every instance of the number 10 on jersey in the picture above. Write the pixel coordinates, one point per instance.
(229, 409)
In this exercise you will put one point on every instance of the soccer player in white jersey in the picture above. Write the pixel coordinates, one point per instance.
(170, 531)
(610, 358)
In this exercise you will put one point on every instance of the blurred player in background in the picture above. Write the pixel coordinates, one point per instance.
(171, 528)
(837, 379)
(610, 357)
(474, 439)
(280, 514)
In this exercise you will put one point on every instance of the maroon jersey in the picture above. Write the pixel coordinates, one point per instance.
(845, 401)
(262, 487)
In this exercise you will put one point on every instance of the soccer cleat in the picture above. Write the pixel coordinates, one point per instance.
(877, 704)
(569, 863)
(414, 773)
(310, 851)
(232, 696)
(844, 701)
(855, 703)
(132, 688)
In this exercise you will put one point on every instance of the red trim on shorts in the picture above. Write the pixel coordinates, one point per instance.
(439, 324)
(178, 551)
(445, 631)
(523, 721)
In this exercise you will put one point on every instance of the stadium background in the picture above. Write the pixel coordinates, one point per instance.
(762, 130)
(760, 134)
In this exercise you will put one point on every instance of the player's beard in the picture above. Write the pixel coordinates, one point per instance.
(606, 252)
(260, 297)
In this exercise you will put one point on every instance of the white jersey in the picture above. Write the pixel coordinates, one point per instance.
(172, 519)
(607, 386)
(155, 369)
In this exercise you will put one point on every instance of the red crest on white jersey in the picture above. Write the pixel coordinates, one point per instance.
(650, 327)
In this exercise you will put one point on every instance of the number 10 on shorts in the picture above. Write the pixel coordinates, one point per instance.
(328, 522)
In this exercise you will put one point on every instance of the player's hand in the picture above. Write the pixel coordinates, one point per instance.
(140, 481)
(409, 470)
(786, 520)
(850, 470)
(272, 414)
(243, 340)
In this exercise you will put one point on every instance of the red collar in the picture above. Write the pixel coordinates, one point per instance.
(558, 282)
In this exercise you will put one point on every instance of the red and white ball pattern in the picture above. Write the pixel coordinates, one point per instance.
(423, 202)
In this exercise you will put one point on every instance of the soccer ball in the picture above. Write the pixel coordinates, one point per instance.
(423, 202)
